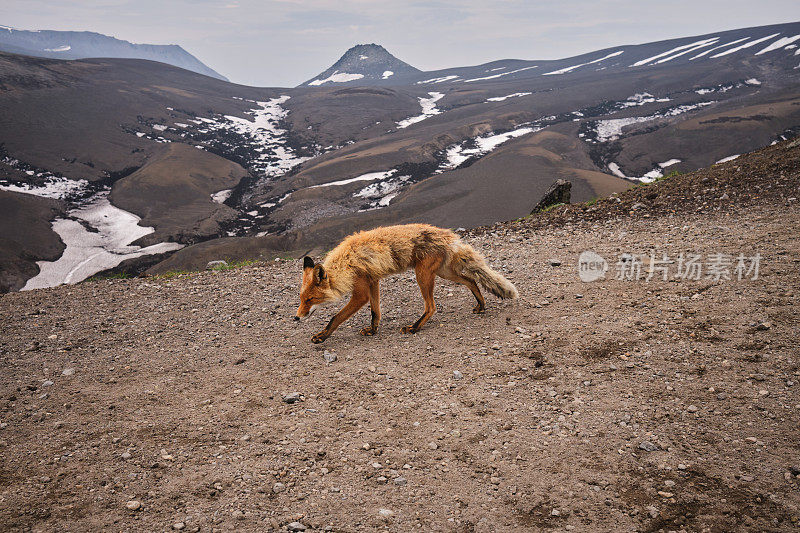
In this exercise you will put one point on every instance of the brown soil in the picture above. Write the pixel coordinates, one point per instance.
(612, 405)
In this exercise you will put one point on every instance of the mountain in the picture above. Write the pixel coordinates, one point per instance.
(196, 169)
(364, 64)
(83, 44)
(778, 41)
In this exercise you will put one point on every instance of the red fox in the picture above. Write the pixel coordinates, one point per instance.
(362, 259)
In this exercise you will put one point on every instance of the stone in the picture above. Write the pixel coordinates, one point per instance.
(296, 526)
(558, 193)
(457, 375)
(278, 487)
(215, 265)
(134, 505)
(433, 445)
(126, 455)
(329, 357)
(178, 526)
(292, 397)
(386, 512)
(692, 409)
(237, 515)
(400, 480)
(647, 446)
(47, 383)
(555, 262)
(68, 372)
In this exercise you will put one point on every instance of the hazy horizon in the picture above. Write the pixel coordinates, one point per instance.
(285, 42)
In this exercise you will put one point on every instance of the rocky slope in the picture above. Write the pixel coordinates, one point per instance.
(195, 402)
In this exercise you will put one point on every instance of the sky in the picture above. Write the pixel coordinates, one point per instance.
(282, 43)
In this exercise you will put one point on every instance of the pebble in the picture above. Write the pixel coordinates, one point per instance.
(433, 445)
(178, 526)
(134, 505)
(457, 375)
(669, 483)
(647, 446)
(296, 526)
(665, 494)
(386, 512)
(126, 455)
(278, 487)
(722, 396)
(555, 262)
(329, 357)
(292, 397)
(68, 372)
(47, 383)
(692, 409)
(400, 480)
(237, 515)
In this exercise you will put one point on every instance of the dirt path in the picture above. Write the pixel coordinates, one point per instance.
(613, 405)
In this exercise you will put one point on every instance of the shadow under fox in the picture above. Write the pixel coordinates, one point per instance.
(357, 265)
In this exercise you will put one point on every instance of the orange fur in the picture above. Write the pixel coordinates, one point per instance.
(358, 264)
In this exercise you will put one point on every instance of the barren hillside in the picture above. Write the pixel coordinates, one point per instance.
(630, 405)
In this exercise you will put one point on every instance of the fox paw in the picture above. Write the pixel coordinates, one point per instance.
(319, 337)
(478, 309)
(409, 329)
(368, 332)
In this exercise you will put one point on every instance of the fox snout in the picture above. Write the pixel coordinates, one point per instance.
(304, 312)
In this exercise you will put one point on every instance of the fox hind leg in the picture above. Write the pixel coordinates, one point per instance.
(375, 309)
(425, 270)
(448, 273)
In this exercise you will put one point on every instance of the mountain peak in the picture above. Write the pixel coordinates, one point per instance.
(364, 63)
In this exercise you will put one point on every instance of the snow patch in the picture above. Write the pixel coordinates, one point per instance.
(428, 110)
(745, 45)
(62, 48)
(752, 81)
(570, 69)
(501, 74)
(220, 196)
(669, 163)
(58, 188)
(501, 98)
(438, 80)
(371, 176)
(701, 54)
(726, 159)
(480, 146)
(337, 77)
(89, 252)
(386, 74)
(780, 43)
(674, 50)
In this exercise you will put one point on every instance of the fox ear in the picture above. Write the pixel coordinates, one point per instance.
(319, 272)
(308, 262)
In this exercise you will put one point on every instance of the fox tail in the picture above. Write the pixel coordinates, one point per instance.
(470, 264)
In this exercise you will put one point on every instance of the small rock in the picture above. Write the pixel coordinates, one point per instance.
(47, 383)
(555, 262)
(747, 479)
(382, 480)
(433, 445)
(126, 455)
(652, 510)
(296, 526)
(764, 325)
(246, 438)
(555, 512)
(647, 446)
(178, 526)
(212, 265)
(692, 409)
(237, 515)
(400, 480)
(278, 487)
(457, 375)
(292, 397)
(722, 396)
(134, 505)
(68, 372)
(665, 494)
(681, 466)
(386, 512)
(669, 483)
(329, 357)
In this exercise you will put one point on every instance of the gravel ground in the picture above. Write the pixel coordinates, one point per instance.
(168, 403)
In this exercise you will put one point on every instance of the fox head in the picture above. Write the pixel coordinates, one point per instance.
(315, 289)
